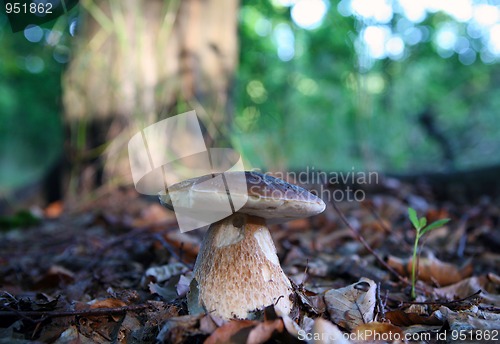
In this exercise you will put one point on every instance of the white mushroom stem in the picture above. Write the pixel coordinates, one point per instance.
(238, 271)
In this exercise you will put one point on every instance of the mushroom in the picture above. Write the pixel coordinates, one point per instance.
(237, 270)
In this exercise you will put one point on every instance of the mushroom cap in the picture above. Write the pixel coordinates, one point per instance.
(262, 195)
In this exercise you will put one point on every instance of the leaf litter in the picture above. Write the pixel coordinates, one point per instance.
(118, 270)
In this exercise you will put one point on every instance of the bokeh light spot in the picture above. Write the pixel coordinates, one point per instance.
(33, 33)
(309, 14)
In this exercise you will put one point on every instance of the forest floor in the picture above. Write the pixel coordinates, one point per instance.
(117, 269)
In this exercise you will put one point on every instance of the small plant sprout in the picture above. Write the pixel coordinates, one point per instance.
(421, 227)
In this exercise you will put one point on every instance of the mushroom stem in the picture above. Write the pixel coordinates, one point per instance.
(238, 271)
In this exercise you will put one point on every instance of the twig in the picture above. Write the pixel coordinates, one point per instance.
(368, 247)
(380, 303)
(59, 314)
(444, 303)
(99, 254)
(305, 273)
(12, 311)
(376, 216)
(171, 250)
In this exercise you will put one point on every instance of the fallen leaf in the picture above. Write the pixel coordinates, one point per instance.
(401, 318)
(291, 326)
(379, 332)
(432, 270)
(469, 320)
(324, 332)
(352, 305)
(310, 301)
(167, 293)
(71, 335)
(10, 334)
(182, 242)
(54, 210)
(183, 285)
(234, 331)
(264, 331)
(128, 325)
(56, 275)
(298, 225)
(486, 283)
(152, 215)
(207, 324)
(107, 303)
(163, 273)
(178, 329)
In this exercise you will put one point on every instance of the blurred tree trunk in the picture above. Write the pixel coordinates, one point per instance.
(138, 61)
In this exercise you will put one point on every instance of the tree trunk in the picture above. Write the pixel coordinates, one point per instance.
(136, 62)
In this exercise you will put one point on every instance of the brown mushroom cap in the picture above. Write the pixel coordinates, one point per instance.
(264, 196)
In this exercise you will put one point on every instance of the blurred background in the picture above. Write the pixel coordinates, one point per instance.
(402, 87)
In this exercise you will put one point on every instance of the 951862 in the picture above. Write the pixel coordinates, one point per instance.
(22, 14)
(474, 335)
(28, 8)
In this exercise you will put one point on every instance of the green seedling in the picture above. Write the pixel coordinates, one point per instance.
(421, 227)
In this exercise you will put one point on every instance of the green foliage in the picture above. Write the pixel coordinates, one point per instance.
(325, 109)
(331, 106)
(30, 103)
(20, 219)
(421, 228)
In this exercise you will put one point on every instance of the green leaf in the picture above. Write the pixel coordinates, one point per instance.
(412, 214)
(434, 225)
(423, 222)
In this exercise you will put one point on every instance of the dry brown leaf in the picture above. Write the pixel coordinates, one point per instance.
(234, 331)
(152, 215)
(298, 225)
(437, 214)
(56, 275)
(177, 330)
(54, 210)
(158, 312)
(107, 303)
(264, 331)
(128, 325)
(310, 301)
(324, 332)
(470, 320)
(493, 278)
(352, 305)
(207, 324)
(432, 270)
(401, 318)
(71, 335)
(251, 332)
(486, 283)
(53, 330)
(187, 244)
(98, 329)
(379, 332)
